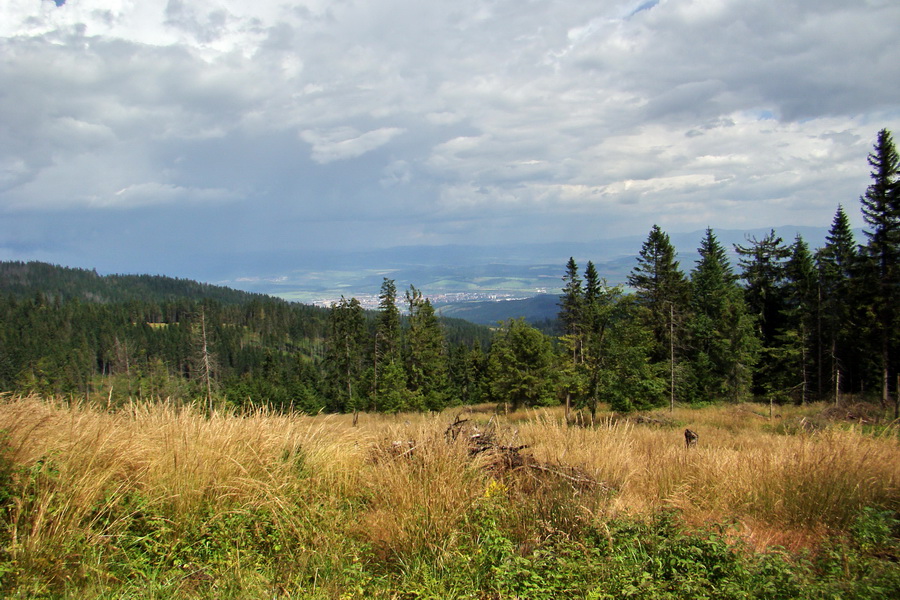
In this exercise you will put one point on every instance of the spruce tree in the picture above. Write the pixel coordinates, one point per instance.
(838, 263)
(797, 338)
(346, 331)
(571, 310)
(522, 367)
(427, 364)
(662, 290)
(762, 265)
(659, 284)
(881, 212)
(389, 391)
(593, 288)
(596, 306)
(467, 365)
(387, 329)
(722, 337)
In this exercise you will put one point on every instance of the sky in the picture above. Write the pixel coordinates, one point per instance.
(201, 137)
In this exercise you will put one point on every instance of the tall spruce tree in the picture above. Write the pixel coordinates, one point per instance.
(389, 392)
(762, 265)
(571, 305)
(881, 212)
(346, 332)
(839, 350)
(798, 337)
(662, 290)
(596, 305)
(387, 329)
(427, 360)
(572, 315)
(593, 289)
(723, 344)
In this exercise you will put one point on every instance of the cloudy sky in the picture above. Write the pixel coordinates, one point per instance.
(188, 137)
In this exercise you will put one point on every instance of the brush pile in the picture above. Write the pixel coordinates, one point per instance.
(487, 449)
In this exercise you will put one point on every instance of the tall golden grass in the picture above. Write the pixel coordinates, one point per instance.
(399, 485)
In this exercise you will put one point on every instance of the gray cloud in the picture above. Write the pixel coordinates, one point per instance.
(357, 123)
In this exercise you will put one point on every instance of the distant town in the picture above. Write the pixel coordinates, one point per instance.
(370, 301)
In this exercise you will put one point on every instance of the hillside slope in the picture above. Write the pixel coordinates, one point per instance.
(26, 279)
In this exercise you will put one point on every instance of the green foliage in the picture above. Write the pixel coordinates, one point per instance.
(841, 319)
(521, 367)
(268, 352)
(623, 559)
(427, 357)
(802, 327)
(661, 287)
(571, 306)
(345, 357)
(876, 530)
(23, 280)
(468, 366)
(881, 257)
(723, 343)
(763, 269)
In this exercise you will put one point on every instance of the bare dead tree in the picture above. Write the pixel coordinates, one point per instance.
(205, 362)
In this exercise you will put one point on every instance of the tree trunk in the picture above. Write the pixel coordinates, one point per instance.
(672, 356)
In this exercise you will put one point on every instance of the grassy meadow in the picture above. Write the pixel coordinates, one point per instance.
(162, 501)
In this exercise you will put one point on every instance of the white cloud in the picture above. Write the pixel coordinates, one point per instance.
(345, 143)
(155, 193)
(531, 115)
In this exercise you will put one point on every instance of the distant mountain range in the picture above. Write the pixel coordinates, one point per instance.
(462, 274)
(482, 284)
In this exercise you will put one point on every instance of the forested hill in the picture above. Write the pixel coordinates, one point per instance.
(27, 279)
(75, 333)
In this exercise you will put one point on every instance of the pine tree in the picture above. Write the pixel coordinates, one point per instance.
(762, 265)
(593, 288)
(346, 331)
(629, 380)
(387, 329)
(801, 297)
(427, 365)
(521, 366)
(596, 308)
(838, 263)
(467, 366)
(659, 283)
(722, 337)
(881, 212)
(389, 391)
(662, 290)
(571, 309)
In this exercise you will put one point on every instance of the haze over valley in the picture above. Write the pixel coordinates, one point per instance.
(459, 275)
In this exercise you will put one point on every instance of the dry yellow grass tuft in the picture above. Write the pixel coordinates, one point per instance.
(400, 485)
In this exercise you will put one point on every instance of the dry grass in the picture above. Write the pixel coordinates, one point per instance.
(324, 481)
(779, 489)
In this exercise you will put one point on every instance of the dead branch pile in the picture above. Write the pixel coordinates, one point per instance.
(653, 420)
(488, 451)
(863, 413)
